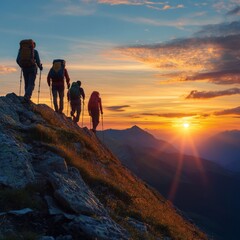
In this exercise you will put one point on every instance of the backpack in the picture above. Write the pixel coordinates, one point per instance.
(94, 100)
(57, 70)
(74, 91)
(26, 53)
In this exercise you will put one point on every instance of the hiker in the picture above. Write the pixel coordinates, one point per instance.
(56, 75)
(94, 108)
(75, 93)
(28, 60)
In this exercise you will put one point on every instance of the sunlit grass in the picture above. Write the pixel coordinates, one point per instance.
(121, 192)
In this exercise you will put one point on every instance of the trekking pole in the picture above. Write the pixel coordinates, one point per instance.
(50, 90)
(82, 113)
(67, 106)
(102, 128)
(20, 82)
(39, 85)
(90, 122)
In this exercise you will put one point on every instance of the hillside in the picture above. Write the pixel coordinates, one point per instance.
(228, 151)
(57, 181)
(204, 190)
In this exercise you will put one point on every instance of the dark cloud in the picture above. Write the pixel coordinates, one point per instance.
(231, 111)
(235, 11)
(219, 30)
(213, 55)
(118, 108)
(169, 115)
(211, 94)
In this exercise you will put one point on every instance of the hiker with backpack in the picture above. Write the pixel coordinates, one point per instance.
(56, 76)
(28, 60)
(94, 109)
(75, 93)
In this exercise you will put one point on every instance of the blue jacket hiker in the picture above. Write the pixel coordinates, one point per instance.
(28, 59)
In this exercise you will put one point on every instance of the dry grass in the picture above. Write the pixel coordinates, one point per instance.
(118, 189)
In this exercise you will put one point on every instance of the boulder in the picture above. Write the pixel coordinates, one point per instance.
(16, 170)
(101, 228)
(72, 193)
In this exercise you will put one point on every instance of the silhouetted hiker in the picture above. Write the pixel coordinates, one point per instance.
(75, 93)
(57, 74)
(94, 109)
(28, 59)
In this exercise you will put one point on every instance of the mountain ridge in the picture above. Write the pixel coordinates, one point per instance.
(58, 180)
(200, 187)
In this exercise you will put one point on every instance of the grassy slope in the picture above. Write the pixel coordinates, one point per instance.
(118, 189)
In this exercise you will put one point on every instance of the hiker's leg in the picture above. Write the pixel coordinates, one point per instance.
(78, 109)
(61, 96)
(54, 93)
(31, 84)
(72, 109)
(25, 76)
(95, 119)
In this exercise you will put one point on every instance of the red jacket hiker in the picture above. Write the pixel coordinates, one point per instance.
(94, 109)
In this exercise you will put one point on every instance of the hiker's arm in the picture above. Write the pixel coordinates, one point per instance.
(37, 59)
(83, 94)
(48, 79)
(67, 77)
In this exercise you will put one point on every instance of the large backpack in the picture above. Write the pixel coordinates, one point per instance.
(94, 100)
(74, 91)
(57, 70)
(26, 53)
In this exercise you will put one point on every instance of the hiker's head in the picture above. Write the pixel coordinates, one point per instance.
(79, 83)
(34, 44)
(95, 93)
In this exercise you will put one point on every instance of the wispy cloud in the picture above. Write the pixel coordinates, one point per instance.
(210, 58)
(6, 69)
(169, 115)
(231, 111)
(120, 108)
(151, 4)
(71, 7)
(212, 94)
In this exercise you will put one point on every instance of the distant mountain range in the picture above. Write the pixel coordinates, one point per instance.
(223, 148)
(205, 191)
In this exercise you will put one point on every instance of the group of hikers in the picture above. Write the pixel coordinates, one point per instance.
(29, 61)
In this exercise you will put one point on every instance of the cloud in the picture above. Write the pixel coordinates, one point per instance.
(150, 4)
(6, 70)
(235, 11)
(118, 108)
(170, 115)
(231, 111)
(210, 58)
(211, 94)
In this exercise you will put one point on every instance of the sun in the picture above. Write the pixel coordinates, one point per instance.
(186, 125)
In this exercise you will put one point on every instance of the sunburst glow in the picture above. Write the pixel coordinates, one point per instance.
(186, 125)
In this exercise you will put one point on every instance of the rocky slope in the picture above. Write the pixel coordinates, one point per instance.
(57, 181)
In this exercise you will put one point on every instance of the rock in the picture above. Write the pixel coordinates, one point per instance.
(17, 212)
(66, 237)
(49, 162)
(101, 228)
(72, 193)
(140, 226)
(16, 170)
(46, 238)
(55, 210)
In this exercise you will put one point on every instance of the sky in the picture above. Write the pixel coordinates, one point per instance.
(167, 66)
